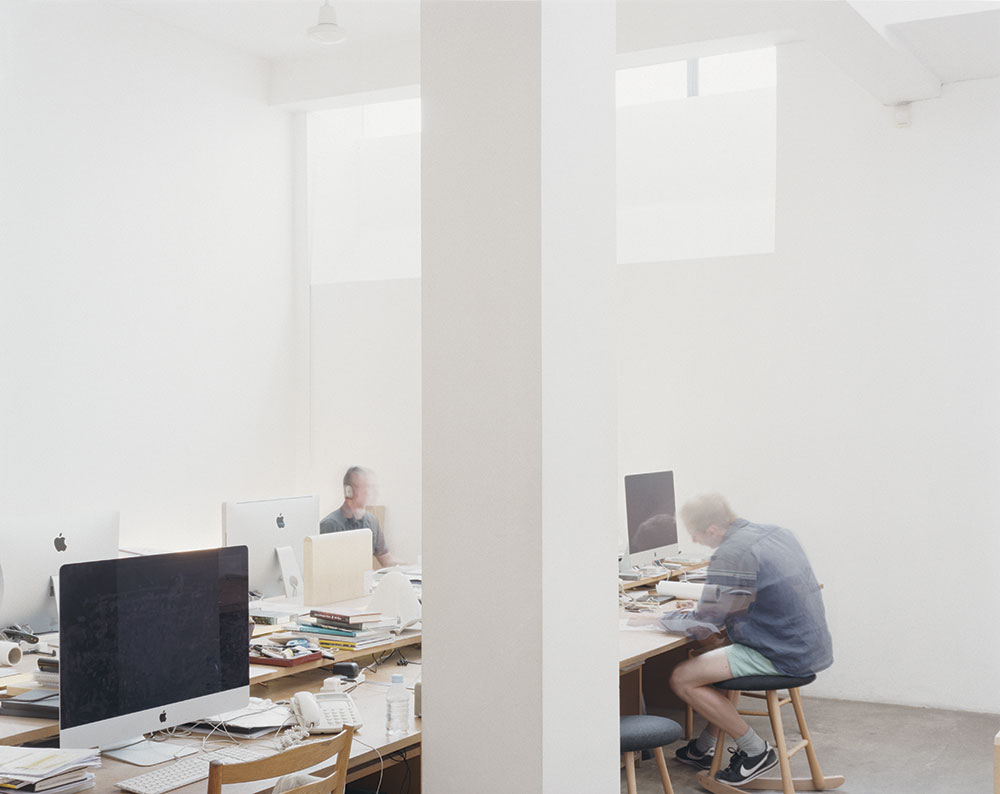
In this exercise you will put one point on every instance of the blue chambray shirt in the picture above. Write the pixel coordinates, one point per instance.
(768, 599)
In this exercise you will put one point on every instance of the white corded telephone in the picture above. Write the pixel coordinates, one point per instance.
(325, 712)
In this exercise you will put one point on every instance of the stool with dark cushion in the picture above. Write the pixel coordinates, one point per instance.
(646, 732)
(752, 686)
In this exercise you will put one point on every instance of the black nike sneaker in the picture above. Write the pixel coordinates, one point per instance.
(690, 754)
(743, 768)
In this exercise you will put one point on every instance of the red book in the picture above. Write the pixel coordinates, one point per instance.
(350, 616)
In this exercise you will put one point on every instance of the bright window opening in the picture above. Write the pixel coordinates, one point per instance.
(697, 167)
(363, 166)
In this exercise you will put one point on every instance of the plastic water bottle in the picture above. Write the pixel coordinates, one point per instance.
(397, 707)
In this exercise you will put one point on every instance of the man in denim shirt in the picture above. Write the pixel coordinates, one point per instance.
(768, 600)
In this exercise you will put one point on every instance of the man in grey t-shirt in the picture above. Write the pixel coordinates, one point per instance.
(358, 487)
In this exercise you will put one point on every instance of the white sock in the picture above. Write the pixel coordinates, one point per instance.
(750, 743)
(705, 743)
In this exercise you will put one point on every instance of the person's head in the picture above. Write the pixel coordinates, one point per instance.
(706, 518)
(359, 486)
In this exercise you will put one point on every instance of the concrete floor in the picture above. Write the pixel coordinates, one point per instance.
(880, 749)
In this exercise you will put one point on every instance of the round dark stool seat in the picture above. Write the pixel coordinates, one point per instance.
(762, 683)
(645, 731)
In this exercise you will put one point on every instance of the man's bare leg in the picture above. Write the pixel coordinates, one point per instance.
(692, 681)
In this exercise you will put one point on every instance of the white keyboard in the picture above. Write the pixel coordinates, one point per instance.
(188, 770)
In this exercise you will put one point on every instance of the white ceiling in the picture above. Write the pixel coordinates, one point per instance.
(900, 50)
(955, 48)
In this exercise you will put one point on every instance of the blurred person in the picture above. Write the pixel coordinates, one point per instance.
(359, 489)
(769, 603)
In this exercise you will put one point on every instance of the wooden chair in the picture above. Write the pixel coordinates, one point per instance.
(294, 759)
(753, 686)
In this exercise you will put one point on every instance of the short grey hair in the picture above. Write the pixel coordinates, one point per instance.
(353, 472)
(703, 511)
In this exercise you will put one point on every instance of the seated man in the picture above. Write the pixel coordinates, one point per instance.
(770, 604)
(359, 485)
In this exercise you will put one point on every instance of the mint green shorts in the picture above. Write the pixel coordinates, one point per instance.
(746, 661)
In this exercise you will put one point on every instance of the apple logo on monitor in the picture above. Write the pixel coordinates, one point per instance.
(280, 521)
(163, 716)
(59, 542)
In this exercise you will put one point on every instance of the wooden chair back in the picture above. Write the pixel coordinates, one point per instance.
(379, 512)
(294, 759)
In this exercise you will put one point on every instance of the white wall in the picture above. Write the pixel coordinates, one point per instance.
(846, 386)
(365, 402)
(149, 356)
(696, 177)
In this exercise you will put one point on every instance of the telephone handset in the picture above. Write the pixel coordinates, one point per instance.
(326, 712)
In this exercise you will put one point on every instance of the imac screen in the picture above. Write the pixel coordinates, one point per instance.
(650, 511)
(141, 636)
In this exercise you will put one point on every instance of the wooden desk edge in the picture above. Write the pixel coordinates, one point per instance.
(636, 659)
(46, 730)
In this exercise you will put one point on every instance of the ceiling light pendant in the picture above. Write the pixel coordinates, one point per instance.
(327, 31)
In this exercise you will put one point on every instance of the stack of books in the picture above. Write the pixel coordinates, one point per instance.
(55, 771)
(346, 629)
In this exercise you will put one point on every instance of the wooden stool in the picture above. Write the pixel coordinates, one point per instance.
(646, 732)
(769, 684)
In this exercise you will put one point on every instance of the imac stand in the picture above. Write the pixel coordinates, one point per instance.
(140, 751)
(291, 576)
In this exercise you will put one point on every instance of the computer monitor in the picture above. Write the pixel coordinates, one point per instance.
(33, 549)
(147, 643)
(335, 566)
(651, 516)
(263, 526)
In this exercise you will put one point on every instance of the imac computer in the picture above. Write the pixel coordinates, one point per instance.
(33, 549)
(147, 643)
(651, 516)
(264, 526)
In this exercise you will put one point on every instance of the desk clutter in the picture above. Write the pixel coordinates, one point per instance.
(694, 571)
(56, 771)
(150, 642)
(322, 633)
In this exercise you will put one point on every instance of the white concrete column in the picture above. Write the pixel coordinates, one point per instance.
(519, 420)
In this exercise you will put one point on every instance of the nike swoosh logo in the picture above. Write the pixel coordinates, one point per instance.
(744, 771)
